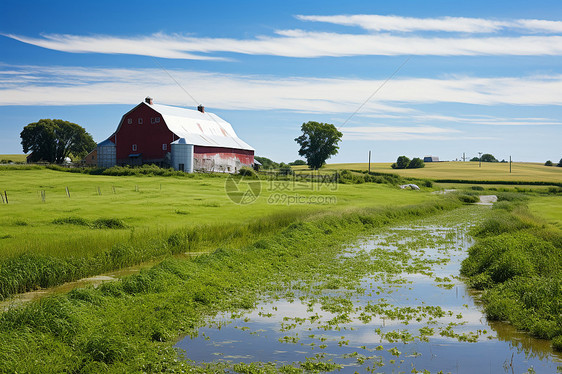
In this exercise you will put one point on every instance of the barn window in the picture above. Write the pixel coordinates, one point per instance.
(134, 147)
(164, 147)
(130, 121)
(140, 121)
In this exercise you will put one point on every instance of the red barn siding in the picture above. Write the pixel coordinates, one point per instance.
(244, 156)
(148, 136)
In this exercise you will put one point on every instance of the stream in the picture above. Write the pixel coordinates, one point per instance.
(419, 319)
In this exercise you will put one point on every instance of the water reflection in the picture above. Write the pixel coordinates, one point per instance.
(415, 320)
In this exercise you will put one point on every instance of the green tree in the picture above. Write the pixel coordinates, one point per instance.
(560, 163)
(297, 162)
(486, 157)
(266, 163)
(401, 163)
(319, 142)
(548, 163)
(416, 163)
(53, 140)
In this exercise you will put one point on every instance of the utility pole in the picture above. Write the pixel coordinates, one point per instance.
(369, 161)
(510, 164)
(463, 157)
(479, 159)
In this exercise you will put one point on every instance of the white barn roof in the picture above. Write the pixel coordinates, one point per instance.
(202, 129)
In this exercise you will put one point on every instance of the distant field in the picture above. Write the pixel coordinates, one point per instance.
(521, 172)
(13, 158)
(151, 207)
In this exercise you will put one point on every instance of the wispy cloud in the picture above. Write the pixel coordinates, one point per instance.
(305, 44)
(399, 133)
(37, 85)
(373, 22)
(418, 117)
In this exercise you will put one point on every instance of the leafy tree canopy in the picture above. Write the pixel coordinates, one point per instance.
(404, 162)
(319, 141)
(298, 162)
(266, 163)
(53, 140)
(548, 163)
(416, 163)
(486, 157)
(401, 163)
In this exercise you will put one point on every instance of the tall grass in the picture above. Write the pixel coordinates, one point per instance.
(29, 271)
(518, 262)
(131, 325)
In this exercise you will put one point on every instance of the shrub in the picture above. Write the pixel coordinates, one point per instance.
(108, 223)
(427, 183)
(510, 255)
(285, 169)
(468, 199)
(557, 343)
(401, 163)
(416, 163)
(71, 221)
(298, 162)
(548, 163)
(560, 163)
(104, 348)
(247, 172)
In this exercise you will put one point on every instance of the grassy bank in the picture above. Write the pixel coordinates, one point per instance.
(60, 226)
(131, 325)
(517, 261)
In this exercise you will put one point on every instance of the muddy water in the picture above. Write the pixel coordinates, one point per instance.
(420, 319)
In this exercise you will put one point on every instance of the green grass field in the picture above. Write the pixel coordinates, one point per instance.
(548, 208)
(152, 207)
(521, 172)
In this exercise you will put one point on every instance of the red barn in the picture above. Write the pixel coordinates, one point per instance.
(187, 140)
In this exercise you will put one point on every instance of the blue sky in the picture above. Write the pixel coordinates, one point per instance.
(471, 77)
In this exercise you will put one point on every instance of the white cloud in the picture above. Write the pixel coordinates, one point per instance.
(36, 85)
(300, 44)
(373, 22)
(398, 133)
(469, 120)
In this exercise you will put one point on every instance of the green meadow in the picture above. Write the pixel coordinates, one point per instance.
(548, 208)
(38, 205)
(59, 226)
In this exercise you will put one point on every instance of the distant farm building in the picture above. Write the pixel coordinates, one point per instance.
(187, 140)
(431, 159)
(91, 158)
